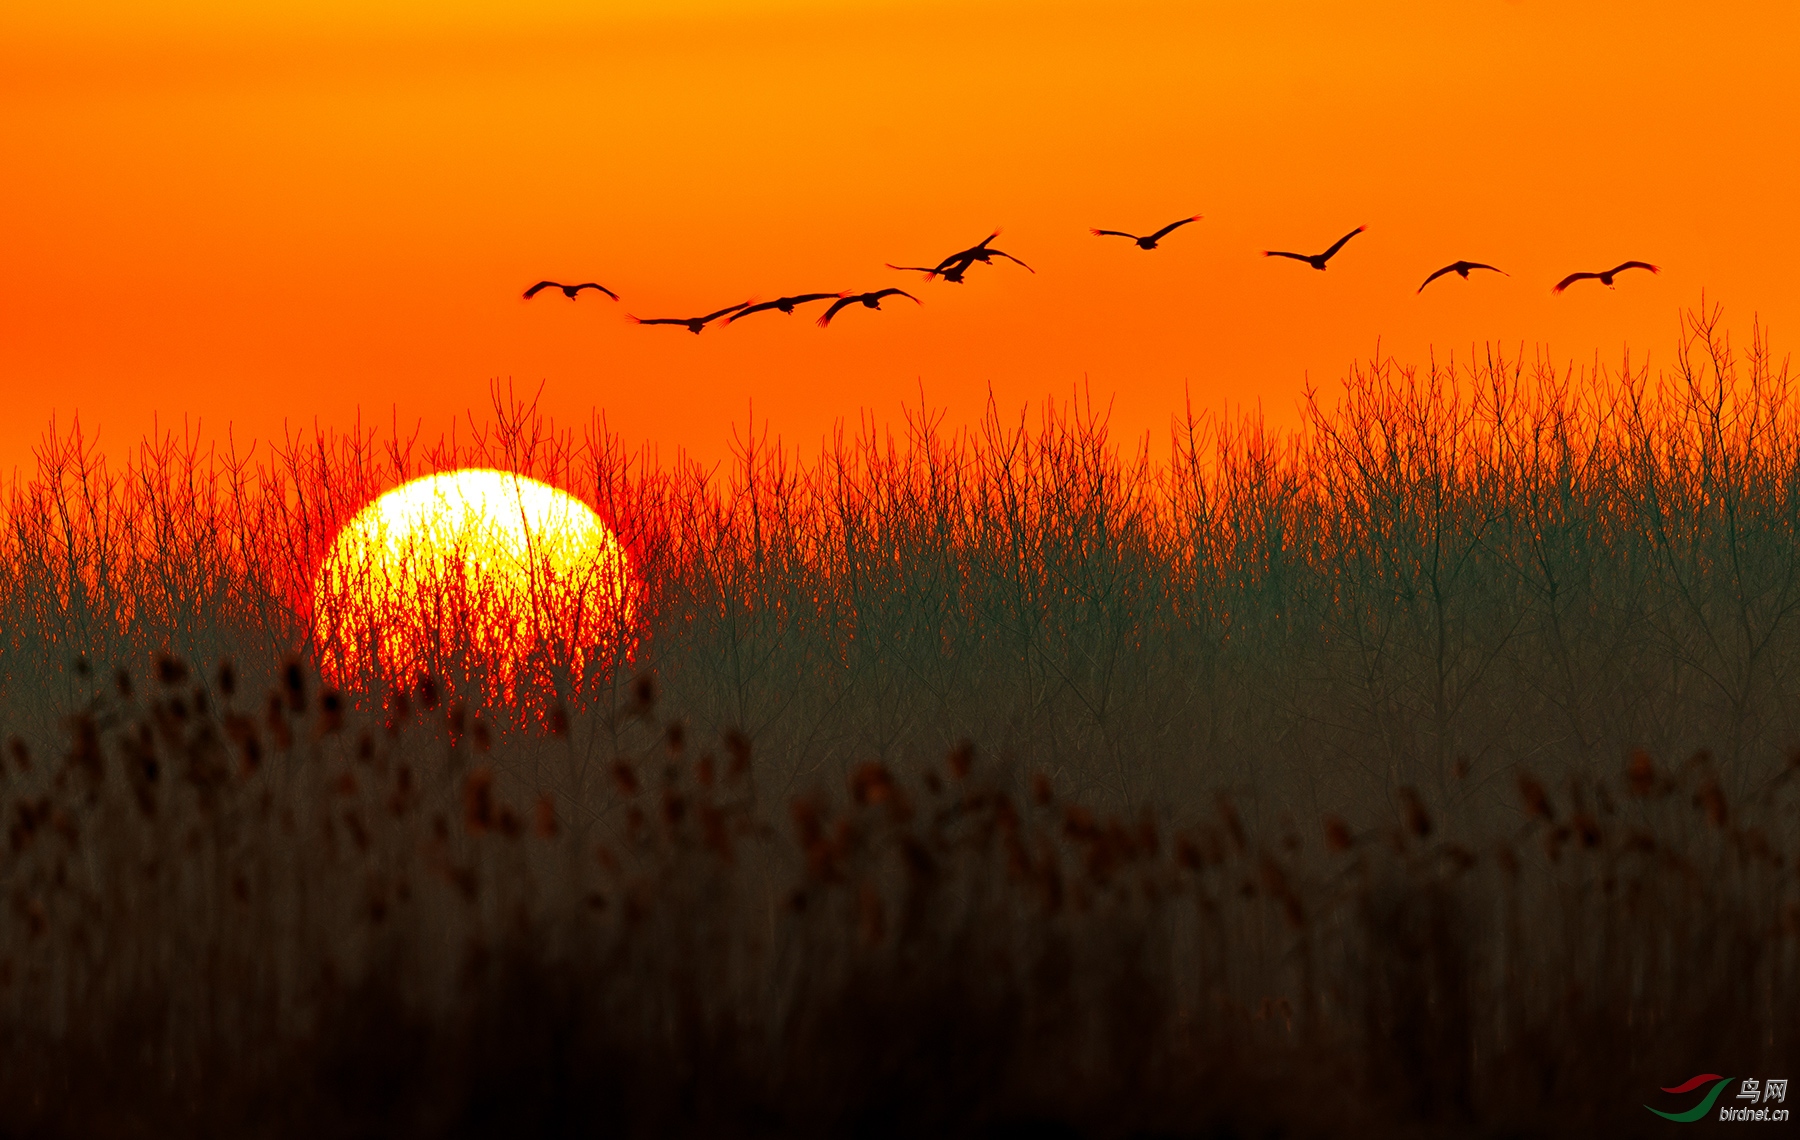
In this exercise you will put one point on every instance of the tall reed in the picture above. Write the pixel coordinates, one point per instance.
(1350, 751)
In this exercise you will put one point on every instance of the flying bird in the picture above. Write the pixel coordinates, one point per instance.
(867, 300)
(691, 324)
(981, 252)
(784, 304)
(1147, 241)
(954, 275)
(1461, 269)
(953, 267)
(569, 291)
(1605, 278)
(1316, 260)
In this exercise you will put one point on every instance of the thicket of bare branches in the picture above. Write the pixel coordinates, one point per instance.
(1493, 664)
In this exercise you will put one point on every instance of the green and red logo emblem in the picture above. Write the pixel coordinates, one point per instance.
(1706, 1103)
(1750, 1089)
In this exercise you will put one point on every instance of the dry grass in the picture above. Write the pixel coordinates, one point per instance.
(271, 916)
(1474, 627)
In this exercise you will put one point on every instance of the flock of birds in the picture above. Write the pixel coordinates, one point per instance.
(955, 266)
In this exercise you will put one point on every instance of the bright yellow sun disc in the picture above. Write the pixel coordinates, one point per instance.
(472, 572)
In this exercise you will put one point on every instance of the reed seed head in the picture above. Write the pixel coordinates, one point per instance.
(1412, 809)
(643, 695)
(871, 784)
(478, 802)
(293, 680)
(961, 760)
(737, 751)
(1537, 800)
(1711, 798)
(1187, 853)
(508, 822)
(331, 711)
(714, 833)
(1338, 837)
(625, 777)
(1586, 829)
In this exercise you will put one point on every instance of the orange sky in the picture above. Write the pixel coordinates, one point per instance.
(325, 206)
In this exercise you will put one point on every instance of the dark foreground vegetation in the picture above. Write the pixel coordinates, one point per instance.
(1428, 772)
(270, 918)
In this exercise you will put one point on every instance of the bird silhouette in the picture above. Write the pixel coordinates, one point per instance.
(1461, 269)
(953, 267)
(1605, 278)
(691, 324)
(569, 291)
(981, 252)
(1316, 260)
(954, 275)
(867, 300)
(784, 304)
(1147, 241)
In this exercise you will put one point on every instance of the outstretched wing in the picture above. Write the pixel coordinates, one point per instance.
(1451, 268)
(968, 255)
(1571, 279)
(657, 320)
(1011, 258)
(596, 285)
(950, 270)
(761, 307)
(710, 317)
(1484, 265)
(1112, 233)
(840, 303)
(1285, 253)
(1339, 244)
(926, 270)
(765, 306)
(540, 287)
(1164, 232)
(896, 292)
(1636, 265)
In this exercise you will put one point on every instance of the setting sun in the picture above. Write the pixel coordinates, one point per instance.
(471, 572)
(1058, 568)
